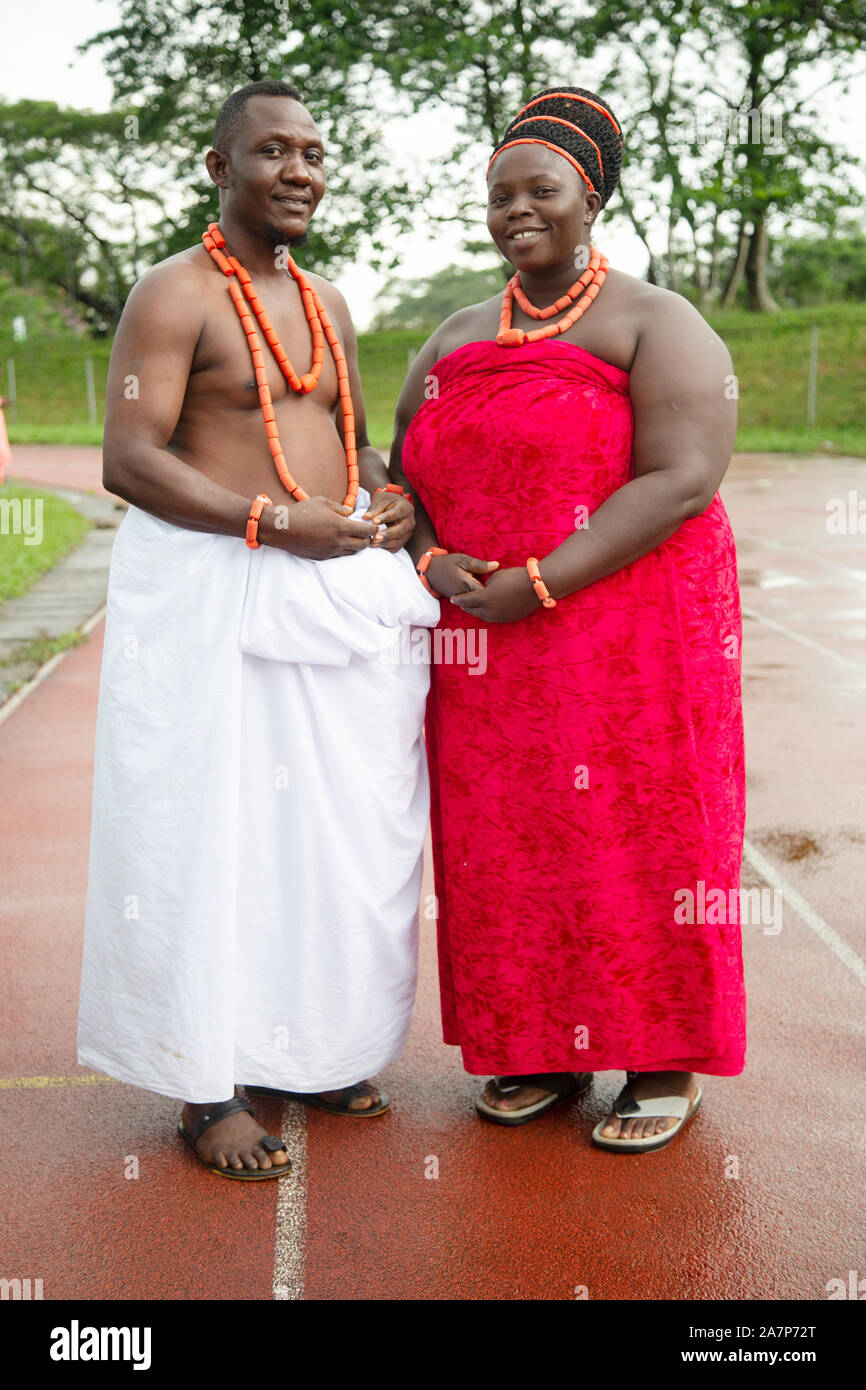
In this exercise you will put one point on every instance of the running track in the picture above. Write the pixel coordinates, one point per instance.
(530, 1213)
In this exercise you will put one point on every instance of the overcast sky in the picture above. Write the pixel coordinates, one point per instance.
(39, 61)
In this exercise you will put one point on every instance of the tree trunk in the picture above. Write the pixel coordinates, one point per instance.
(729, 293)
(760, 298)
(652, 274)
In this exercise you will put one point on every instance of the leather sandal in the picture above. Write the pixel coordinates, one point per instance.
(625, 1107)
(562, 1086)
(268, 1142)
(349, 1093)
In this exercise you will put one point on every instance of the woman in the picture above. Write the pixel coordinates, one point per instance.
(589, 787)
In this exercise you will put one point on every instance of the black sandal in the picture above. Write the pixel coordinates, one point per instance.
(350, 1093)
(268, 1142)
(561, 1086)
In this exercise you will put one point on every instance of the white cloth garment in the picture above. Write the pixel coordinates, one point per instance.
(260, 802)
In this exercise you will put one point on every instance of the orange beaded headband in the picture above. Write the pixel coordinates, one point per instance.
(558, 120)
(571, 96)
(534, 140)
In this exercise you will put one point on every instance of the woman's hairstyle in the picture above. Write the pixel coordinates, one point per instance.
(577, 124)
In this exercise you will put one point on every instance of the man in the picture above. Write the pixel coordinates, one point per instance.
(260, 796)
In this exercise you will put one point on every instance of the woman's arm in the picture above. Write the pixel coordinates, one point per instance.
(685, 420)
(412, 397)
(448, 574)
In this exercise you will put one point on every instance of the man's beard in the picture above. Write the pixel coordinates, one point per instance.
(280, 239)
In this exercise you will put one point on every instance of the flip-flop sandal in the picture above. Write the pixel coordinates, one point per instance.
(350, 1093)
(625, 1107)
(268, 1142)
(562, 1087)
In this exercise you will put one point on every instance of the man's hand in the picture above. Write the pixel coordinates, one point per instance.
(505, 598)
(317, 529)
(456, 574)
(397, 513)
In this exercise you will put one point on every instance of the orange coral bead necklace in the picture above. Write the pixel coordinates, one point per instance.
(241, 285)
(589, 284)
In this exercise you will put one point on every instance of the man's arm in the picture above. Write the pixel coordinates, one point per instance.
(147, 379)
(371, 466)
(397, 514)
(154, 346)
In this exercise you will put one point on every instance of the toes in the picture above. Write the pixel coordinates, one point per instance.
(612, 1128)
(248, 1160)
(262, 1158)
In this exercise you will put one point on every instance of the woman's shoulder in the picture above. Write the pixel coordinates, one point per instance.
(475, 323)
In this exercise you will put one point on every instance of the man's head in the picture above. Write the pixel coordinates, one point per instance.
(268, 161)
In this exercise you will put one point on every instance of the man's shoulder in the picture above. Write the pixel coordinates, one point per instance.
(332, 298)
(182, 273)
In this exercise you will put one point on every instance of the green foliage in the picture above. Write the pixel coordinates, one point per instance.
(176, 61)
(424, 306)
(63, 528)
(819, 270)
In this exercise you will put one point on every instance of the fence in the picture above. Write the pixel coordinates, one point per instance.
(791, 375)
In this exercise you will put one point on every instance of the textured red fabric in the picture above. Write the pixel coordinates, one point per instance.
(559, 947)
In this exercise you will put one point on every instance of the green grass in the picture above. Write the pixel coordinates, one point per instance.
(62, 529)
(384, 361)
(771, 360)
(40, 650)
(770, 354)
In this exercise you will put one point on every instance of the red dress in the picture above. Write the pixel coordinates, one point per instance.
(591, 777)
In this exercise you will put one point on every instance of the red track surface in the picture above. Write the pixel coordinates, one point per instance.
(529, 1213)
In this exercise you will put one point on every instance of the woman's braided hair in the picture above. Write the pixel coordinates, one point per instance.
(580, 126)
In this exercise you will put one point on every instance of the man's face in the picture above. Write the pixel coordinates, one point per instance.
(274, 174)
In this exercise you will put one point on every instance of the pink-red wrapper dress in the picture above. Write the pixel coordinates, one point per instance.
(591, 776)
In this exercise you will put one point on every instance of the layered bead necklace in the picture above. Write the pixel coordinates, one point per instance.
(589, 283)
(241, 285)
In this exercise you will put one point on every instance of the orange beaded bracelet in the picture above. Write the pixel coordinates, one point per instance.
(395, 487)
(540, 586)
(422, 567)
(256, 510)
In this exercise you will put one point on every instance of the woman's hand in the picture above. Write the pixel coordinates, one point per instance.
(506, 597)
(397, 513)
(456, 574)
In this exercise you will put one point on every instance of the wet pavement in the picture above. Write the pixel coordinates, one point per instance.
(762, 1197)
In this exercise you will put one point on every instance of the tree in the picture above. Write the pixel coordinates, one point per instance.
(424, 306)
(76, 197)
(175, 62)
(724, 180)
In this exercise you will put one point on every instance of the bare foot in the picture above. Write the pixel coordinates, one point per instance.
(233, 1142)
(646, 1086)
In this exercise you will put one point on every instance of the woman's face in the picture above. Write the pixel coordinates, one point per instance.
(539, 208)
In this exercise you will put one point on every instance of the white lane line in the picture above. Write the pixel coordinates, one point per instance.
(291, 1234)
(841, 950)
(806, 641)
(9, 706)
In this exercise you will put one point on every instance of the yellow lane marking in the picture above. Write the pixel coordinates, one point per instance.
(29, 1083)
